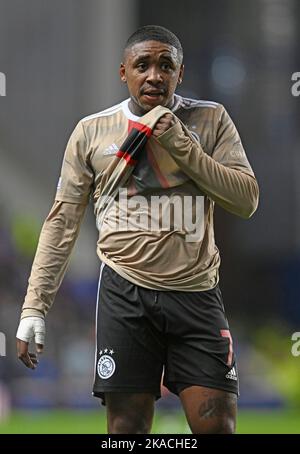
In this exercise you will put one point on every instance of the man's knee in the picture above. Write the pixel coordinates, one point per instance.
(129, 413)
(218, 425)
(124, 424)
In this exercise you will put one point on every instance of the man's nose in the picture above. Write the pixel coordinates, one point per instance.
(154, 76)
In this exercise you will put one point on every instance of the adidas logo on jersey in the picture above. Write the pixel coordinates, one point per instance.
(231, 374)
(111, 149)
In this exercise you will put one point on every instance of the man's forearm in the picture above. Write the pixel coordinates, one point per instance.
(230, 188)
(56, 242)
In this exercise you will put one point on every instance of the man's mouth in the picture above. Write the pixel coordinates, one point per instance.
(153, 94)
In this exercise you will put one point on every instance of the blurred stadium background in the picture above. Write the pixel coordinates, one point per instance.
(61, 63)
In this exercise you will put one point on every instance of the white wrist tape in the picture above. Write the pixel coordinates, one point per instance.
(32, 327)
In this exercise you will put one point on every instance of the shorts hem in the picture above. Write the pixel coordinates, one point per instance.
(171, 385)
(99, 393)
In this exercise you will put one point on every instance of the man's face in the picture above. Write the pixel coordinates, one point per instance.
(152, 71)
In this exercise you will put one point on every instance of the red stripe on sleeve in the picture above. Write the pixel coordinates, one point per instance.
(140, 127)
(127, 157)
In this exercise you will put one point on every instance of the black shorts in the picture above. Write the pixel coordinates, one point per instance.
(142, 334)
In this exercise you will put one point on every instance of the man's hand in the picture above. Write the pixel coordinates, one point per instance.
(29, 328)
(163, 124)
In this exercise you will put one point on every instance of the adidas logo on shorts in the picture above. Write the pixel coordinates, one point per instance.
(231, 374)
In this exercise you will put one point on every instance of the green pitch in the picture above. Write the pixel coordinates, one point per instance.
(60, 421)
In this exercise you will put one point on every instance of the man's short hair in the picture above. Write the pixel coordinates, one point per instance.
(155, 33)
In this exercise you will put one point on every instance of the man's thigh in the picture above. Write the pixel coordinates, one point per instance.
(209, 411)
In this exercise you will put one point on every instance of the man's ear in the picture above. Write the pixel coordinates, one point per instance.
(181, 72)
(122, 73)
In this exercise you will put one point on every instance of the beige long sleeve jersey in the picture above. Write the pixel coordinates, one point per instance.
(158, 232)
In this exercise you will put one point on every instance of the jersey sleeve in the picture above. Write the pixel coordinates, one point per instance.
(227, 181)
(76, 178)
(228, 149)
(56, 242)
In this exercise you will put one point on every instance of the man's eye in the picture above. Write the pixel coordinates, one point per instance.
(165, 66)
(141, 66)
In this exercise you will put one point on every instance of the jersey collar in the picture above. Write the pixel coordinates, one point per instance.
(131, 116)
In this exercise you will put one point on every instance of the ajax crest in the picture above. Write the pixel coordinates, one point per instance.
(106, 367)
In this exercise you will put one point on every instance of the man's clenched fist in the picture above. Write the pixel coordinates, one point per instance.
(163, 124)
(30, 328)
